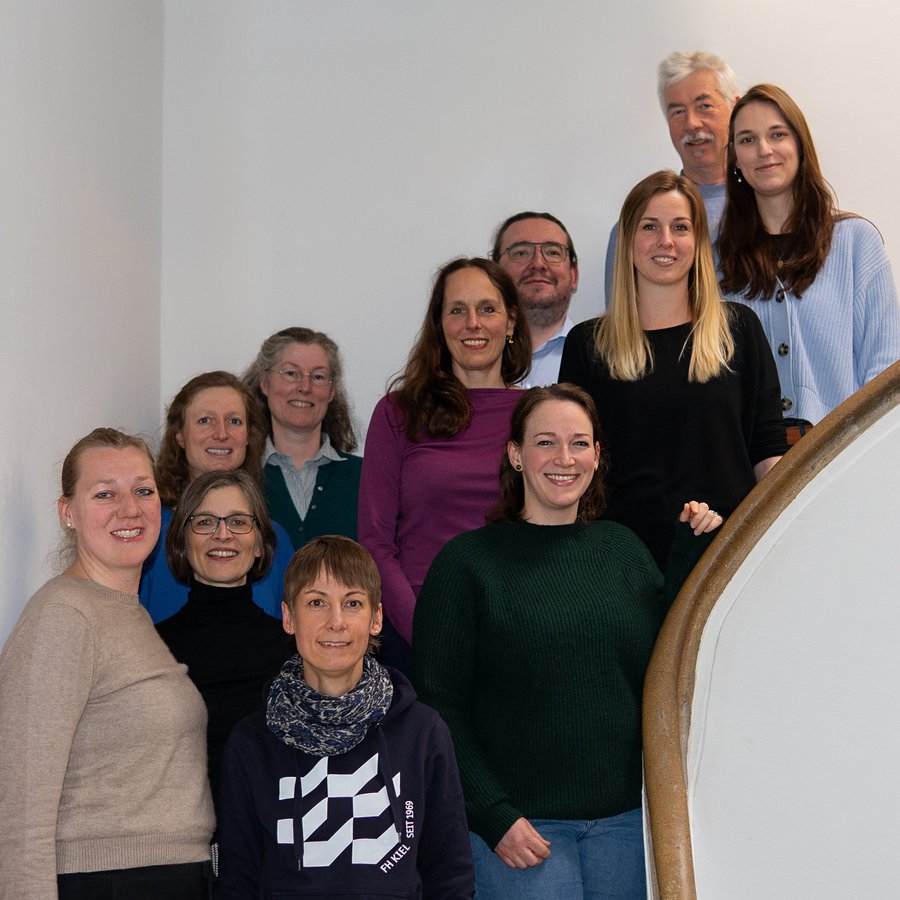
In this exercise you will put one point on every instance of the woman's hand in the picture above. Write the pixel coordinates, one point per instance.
(522, 846)
(701, 518)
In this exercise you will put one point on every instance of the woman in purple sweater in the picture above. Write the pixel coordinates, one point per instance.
(433, 448)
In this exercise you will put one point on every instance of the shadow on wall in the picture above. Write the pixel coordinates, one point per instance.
(24, 538)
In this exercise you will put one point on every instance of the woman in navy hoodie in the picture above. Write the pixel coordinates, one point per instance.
(345, 785)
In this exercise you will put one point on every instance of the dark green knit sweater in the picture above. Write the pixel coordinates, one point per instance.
(532, 642)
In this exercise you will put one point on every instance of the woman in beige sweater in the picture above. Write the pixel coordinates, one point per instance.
(103, 753)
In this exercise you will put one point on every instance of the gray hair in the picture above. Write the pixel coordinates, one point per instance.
(678, 65)
(338, 424)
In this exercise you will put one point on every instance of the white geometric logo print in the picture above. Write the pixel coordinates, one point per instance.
(365, 805)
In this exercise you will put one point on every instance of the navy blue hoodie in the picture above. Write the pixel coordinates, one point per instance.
(383, 820)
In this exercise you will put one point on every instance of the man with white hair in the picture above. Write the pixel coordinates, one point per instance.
(697, 92)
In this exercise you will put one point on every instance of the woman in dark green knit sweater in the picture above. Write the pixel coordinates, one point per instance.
(533, 635)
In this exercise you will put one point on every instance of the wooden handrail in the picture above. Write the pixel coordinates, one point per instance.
(669, 684)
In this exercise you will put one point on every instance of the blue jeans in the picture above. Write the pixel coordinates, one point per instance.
(602, 859)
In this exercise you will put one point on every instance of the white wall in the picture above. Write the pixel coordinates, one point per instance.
(81, 92)
(793, 788)
(322, 159)
(319, 161)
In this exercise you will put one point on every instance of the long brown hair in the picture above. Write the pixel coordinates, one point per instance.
(746, 258)
(172, 473)
(512, 483)
(432, 399)
(618, 338)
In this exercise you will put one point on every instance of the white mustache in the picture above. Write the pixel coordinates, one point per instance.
(697, 136)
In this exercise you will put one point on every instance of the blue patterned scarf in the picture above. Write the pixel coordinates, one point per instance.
(325, 726)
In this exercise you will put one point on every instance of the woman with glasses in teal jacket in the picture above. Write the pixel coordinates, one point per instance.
(311, 477)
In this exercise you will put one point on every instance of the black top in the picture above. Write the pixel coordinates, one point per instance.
(670, 440)
(232, 650)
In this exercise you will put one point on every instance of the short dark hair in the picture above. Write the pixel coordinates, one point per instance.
(176, 536)
(512, 483)
(518, 217)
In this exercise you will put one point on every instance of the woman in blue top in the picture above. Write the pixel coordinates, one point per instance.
(213, 423)
(818, 278)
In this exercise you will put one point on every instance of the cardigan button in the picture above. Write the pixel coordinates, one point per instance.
(779, 295)
(320, 488)
(783, 349)
(787, 404)
(313, 506)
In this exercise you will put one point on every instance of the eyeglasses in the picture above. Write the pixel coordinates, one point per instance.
(295, 376)
(207, 523)
(523, 251)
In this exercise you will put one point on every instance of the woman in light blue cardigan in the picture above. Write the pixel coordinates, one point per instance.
(818, 278)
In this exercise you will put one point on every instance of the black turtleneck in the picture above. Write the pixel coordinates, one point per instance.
(232, 650)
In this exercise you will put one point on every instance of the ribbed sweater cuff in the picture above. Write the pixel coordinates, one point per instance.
(130, 852)
(494, 823)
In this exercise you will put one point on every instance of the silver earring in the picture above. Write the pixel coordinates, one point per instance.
(737, 174)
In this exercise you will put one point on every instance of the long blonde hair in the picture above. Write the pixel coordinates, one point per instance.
(619, 339)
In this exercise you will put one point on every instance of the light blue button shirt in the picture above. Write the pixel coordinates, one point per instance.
(301, 483)
(546, 358)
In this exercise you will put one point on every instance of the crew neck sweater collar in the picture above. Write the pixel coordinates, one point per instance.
(550, 532)
(493, 397)
(490, 391)
(669, 329)
(112, 593)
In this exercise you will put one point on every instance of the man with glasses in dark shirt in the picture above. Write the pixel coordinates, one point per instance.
(536, 250)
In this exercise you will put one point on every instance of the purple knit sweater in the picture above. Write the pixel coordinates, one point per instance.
(414, 497)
